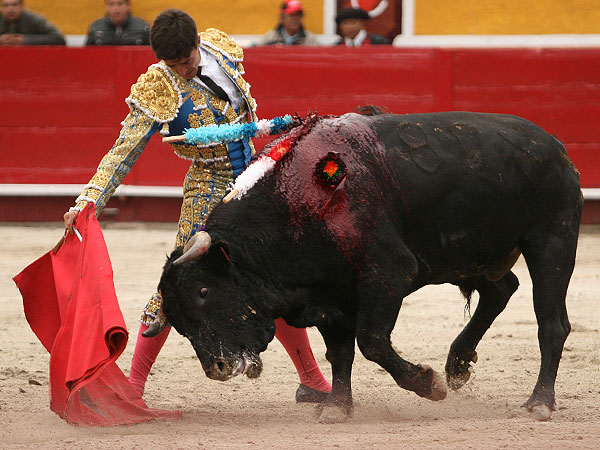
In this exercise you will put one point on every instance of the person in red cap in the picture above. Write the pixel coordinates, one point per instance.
(351, 25)
(290, 30)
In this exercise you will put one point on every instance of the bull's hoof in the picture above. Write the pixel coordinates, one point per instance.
(457, 380)
(438, 386)
(333, 413)
(541, 413)
(458, 371)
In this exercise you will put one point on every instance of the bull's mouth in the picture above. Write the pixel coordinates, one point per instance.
(223, 369)
(249, 365)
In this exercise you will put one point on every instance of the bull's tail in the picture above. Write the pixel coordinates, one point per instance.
(467, 288)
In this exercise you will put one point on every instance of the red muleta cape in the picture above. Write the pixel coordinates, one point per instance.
(71, 305)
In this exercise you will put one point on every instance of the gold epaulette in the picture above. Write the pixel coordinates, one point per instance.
(223, 43)
(156, 94)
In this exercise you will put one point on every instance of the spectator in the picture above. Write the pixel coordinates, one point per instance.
(351, 24)
(20, 26)
(118, 26)
(290, 30)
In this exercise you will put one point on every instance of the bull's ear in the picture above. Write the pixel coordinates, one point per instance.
(219, 255)
(174, 255)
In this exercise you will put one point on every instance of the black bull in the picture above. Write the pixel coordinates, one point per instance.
(362, 212)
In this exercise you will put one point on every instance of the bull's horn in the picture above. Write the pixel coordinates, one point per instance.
(154, 329)
(195, 247)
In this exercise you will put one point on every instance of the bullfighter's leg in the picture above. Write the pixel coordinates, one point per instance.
(145, 354)
(203, 189)
(493, 298)
(314, 388)
(340, 353)
(387, 274)
(550, 257)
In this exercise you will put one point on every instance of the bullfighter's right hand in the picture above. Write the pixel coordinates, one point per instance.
(70, 217)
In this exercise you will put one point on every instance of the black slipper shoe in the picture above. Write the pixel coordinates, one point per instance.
(304, 394)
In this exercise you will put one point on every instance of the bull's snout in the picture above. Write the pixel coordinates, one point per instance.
(221, 369)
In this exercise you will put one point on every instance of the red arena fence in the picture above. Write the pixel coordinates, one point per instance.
(61, 108)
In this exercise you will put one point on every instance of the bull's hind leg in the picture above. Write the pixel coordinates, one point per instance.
(550, 257)
(493, 297)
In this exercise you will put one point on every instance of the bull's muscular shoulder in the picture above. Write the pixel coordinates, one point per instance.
(156, 94)
(221, 42)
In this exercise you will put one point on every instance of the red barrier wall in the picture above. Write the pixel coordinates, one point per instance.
(60, 108)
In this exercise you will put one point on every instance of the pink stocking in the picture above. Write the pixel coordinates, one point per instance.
(296, 343)
(144, 355)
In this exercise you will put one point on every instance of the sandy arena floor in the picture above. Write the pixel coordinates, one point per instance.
(259, 414)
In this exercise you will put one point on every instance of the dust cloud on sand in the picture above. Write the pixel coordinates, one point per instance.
(259, 414)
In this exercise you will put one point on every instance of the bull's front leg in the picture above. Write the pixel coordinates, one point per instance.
(373, 337)
(340, 353)
(387, 273)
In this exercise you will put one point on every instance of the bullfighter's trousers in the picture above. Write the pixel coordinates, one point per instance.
(205, 185)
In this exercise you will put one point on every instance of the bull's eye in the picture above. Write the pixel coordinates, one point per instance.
(203, 292)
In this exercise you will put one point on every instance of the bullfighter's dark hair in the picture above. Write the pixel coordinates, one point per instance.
(173, 35)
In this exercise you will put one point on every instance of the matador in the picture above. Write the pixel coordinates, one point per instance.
(199, 86)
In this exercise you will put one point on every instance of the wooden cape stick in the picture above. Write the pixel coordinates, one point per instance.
(170, 139)
(230, 196)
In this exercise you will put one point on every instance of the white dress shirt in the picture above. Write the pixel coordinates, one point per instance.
(211, 68)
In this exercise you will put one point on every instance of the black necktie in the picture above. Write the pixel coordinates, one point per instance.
(219, 92)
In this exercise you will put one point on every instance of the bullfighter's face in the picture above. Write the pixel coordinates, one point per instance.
(210, 303)
(186, 66)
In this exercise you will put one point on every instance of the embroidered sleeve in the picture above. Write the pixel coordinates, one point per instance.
(137, 130)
